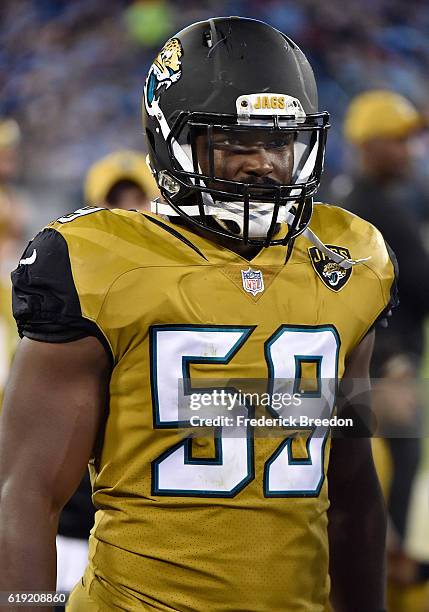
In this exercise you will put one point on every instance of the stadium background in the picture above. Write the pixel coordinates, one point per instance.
(72, 72)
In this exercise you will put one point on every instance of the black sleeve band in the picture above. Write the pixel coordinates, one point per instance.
(45, 301)
(383, 317)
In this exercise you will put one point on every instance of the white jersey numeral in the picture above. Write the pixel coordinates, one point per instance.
(80, 212)
(285, 476)
(177, 473)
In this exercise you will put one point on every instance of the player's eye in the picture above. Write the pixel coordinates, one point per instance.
(236, 144)
(230, 145)
(280, 142)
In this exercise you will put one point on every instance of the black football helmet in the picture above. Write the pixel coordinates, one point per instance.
(233, 75)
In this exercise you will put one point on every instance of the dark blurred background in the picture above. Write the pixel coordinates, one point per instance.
(71, 73)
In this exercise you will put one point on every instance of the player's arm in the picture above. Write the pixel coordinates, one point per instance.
(357, 519)
(53, 404)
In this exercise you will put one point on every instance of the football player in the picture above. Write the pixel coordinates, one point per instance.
(236, 275)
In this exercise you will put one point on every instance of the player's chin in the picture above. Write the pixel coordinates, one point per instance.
(233, 227)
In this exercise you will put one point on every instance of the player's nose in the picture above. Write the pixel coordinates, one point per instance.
(257, 162)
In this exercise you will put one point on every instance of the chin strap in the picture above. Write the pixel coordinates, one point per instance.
(161, 208)
(343, 262)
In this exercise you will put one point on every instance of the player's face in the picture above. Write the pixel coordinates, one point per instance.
(250, 156)
(256, 157)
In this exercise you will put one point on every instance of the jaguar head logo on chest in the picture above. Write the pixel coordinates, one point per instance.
(332, 274)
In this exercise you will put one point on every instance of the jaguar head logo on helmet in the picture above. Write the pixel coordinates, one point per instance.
(165, 69)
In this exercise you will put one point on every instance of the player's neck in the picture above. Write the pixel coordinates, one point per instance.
(248, 251)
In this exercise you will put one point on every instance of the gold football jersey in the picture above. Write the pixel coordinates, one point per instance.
(220, 522)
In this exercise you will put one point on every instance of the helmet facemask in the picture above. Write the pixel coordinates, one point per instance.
(248, 211)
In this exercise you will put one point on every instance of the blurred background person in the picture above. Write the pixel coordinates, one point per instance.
(12, 232)
(121, 180)
(383, 127)
(12, 200)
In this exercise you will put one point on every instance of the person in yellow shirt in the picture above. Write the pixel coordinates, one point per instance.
(12, 209)
(382, 127)
(120, 180)
(236, 280)
(11, 235)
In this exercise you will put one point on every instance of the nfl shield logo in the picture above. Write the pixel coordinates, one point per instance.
(253, 281)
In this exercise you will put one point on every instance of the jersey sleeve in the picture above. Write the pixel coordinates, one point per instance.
(373, 289)
(393, 300)
(45, 301)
